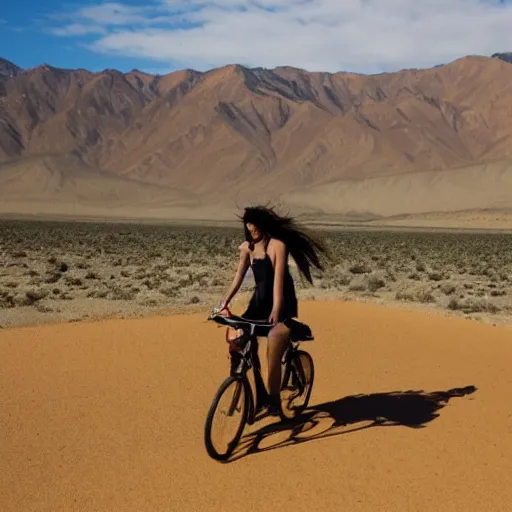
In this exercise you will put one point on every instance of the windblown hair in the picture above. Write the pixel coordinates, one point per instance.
(303, 247)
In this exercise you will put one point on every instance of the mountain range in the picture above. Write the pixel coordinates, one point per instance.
(201, 144)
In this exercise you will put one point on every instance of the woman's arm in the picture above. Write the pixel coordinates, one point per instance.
(243, 265)
(279, 269)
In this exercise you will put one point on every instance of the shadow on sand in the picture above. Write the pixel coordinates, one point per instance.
(413, 409)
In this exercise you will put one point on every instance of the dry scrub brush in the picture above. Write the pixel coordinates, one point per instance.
(47, 262)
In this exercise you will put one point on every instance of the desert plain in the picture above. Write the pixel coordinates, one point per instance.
(409, 412)
(55, 271)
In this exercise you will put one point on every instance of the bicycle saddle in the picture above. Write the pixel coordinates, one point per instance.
(299, 330)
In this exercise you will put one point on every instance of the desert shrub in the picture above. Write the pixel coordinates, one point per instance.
(357, 287)
(375, 283)
(424, 296)
(360, 268)
(52, 277)
(139, 274)
(448, 288)
(117, 293)
(152, 284)
(98, 293)
(420, 266)
(42, 308)
(73, 281)
(489, 272)
(35, 295)
(404, 295)
(185, 281)
(340, 280)
(6, 300)
(169, 291)
(59, 265)
(473, 306)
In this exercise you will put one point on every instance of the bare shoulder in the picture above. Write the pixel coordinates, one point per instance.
(278, 246)
(244, 247)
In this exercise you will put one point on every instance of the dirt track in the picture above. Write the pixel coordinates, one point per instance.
(108, 416)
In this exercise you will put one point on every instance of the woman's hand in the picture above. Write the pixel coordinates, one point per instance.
(274, 317)
(223, 307)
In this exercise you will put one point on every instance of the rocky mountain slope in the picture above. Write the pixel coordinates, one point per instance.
(8, 69)
(505, 56)
(235, 134)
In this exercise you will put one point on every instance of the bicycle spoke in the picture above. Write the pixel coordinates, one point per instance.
(226, 418)
(297, 388)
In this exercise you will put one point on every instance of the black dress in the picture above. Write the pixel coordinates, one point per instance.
(262, 300)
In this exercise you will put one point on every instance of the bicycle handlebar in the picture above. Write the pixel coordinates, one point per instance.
(237, 321)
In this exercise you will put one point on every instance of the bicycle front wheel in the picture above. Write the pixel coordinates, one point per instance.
(226, 418)
(297, 385)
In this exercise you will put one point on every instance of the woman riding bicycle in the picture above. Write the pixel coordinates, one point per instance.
(270, 238)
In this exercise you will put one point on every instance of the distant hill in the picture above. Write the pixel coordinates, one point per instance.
(8, 69)
(507, 56)
(233, 134)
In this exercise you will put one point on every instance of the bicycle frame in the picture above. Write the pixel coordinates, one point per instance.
(249, 358)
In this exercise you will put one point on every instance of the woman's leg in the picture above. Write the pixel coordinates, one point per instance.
(276, 345)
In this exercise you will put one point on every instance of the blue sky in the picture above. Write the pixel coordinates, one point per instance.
(26, 38)
(319, 35)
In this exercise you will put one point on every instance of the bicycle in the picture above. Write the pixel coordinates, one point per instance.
(297, 378)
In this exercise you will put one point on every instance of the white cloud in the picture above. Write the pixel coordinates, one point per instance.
(114, 14)
(77, 29)
(318, 35)
(90, 19)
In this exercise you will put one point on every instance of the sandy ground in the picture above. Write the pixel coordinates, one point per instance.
(411, 412)
(470, 197)
(480, 220)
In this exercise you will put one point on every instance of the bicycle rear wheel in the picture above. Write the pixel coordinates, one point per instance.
(229, 408)
(297, 384)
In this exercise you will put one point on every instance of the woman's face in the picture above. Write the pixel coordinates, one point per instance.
(253, 230)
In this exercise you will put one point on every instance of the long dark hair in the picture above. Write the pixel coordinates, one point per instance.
(303, 247)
